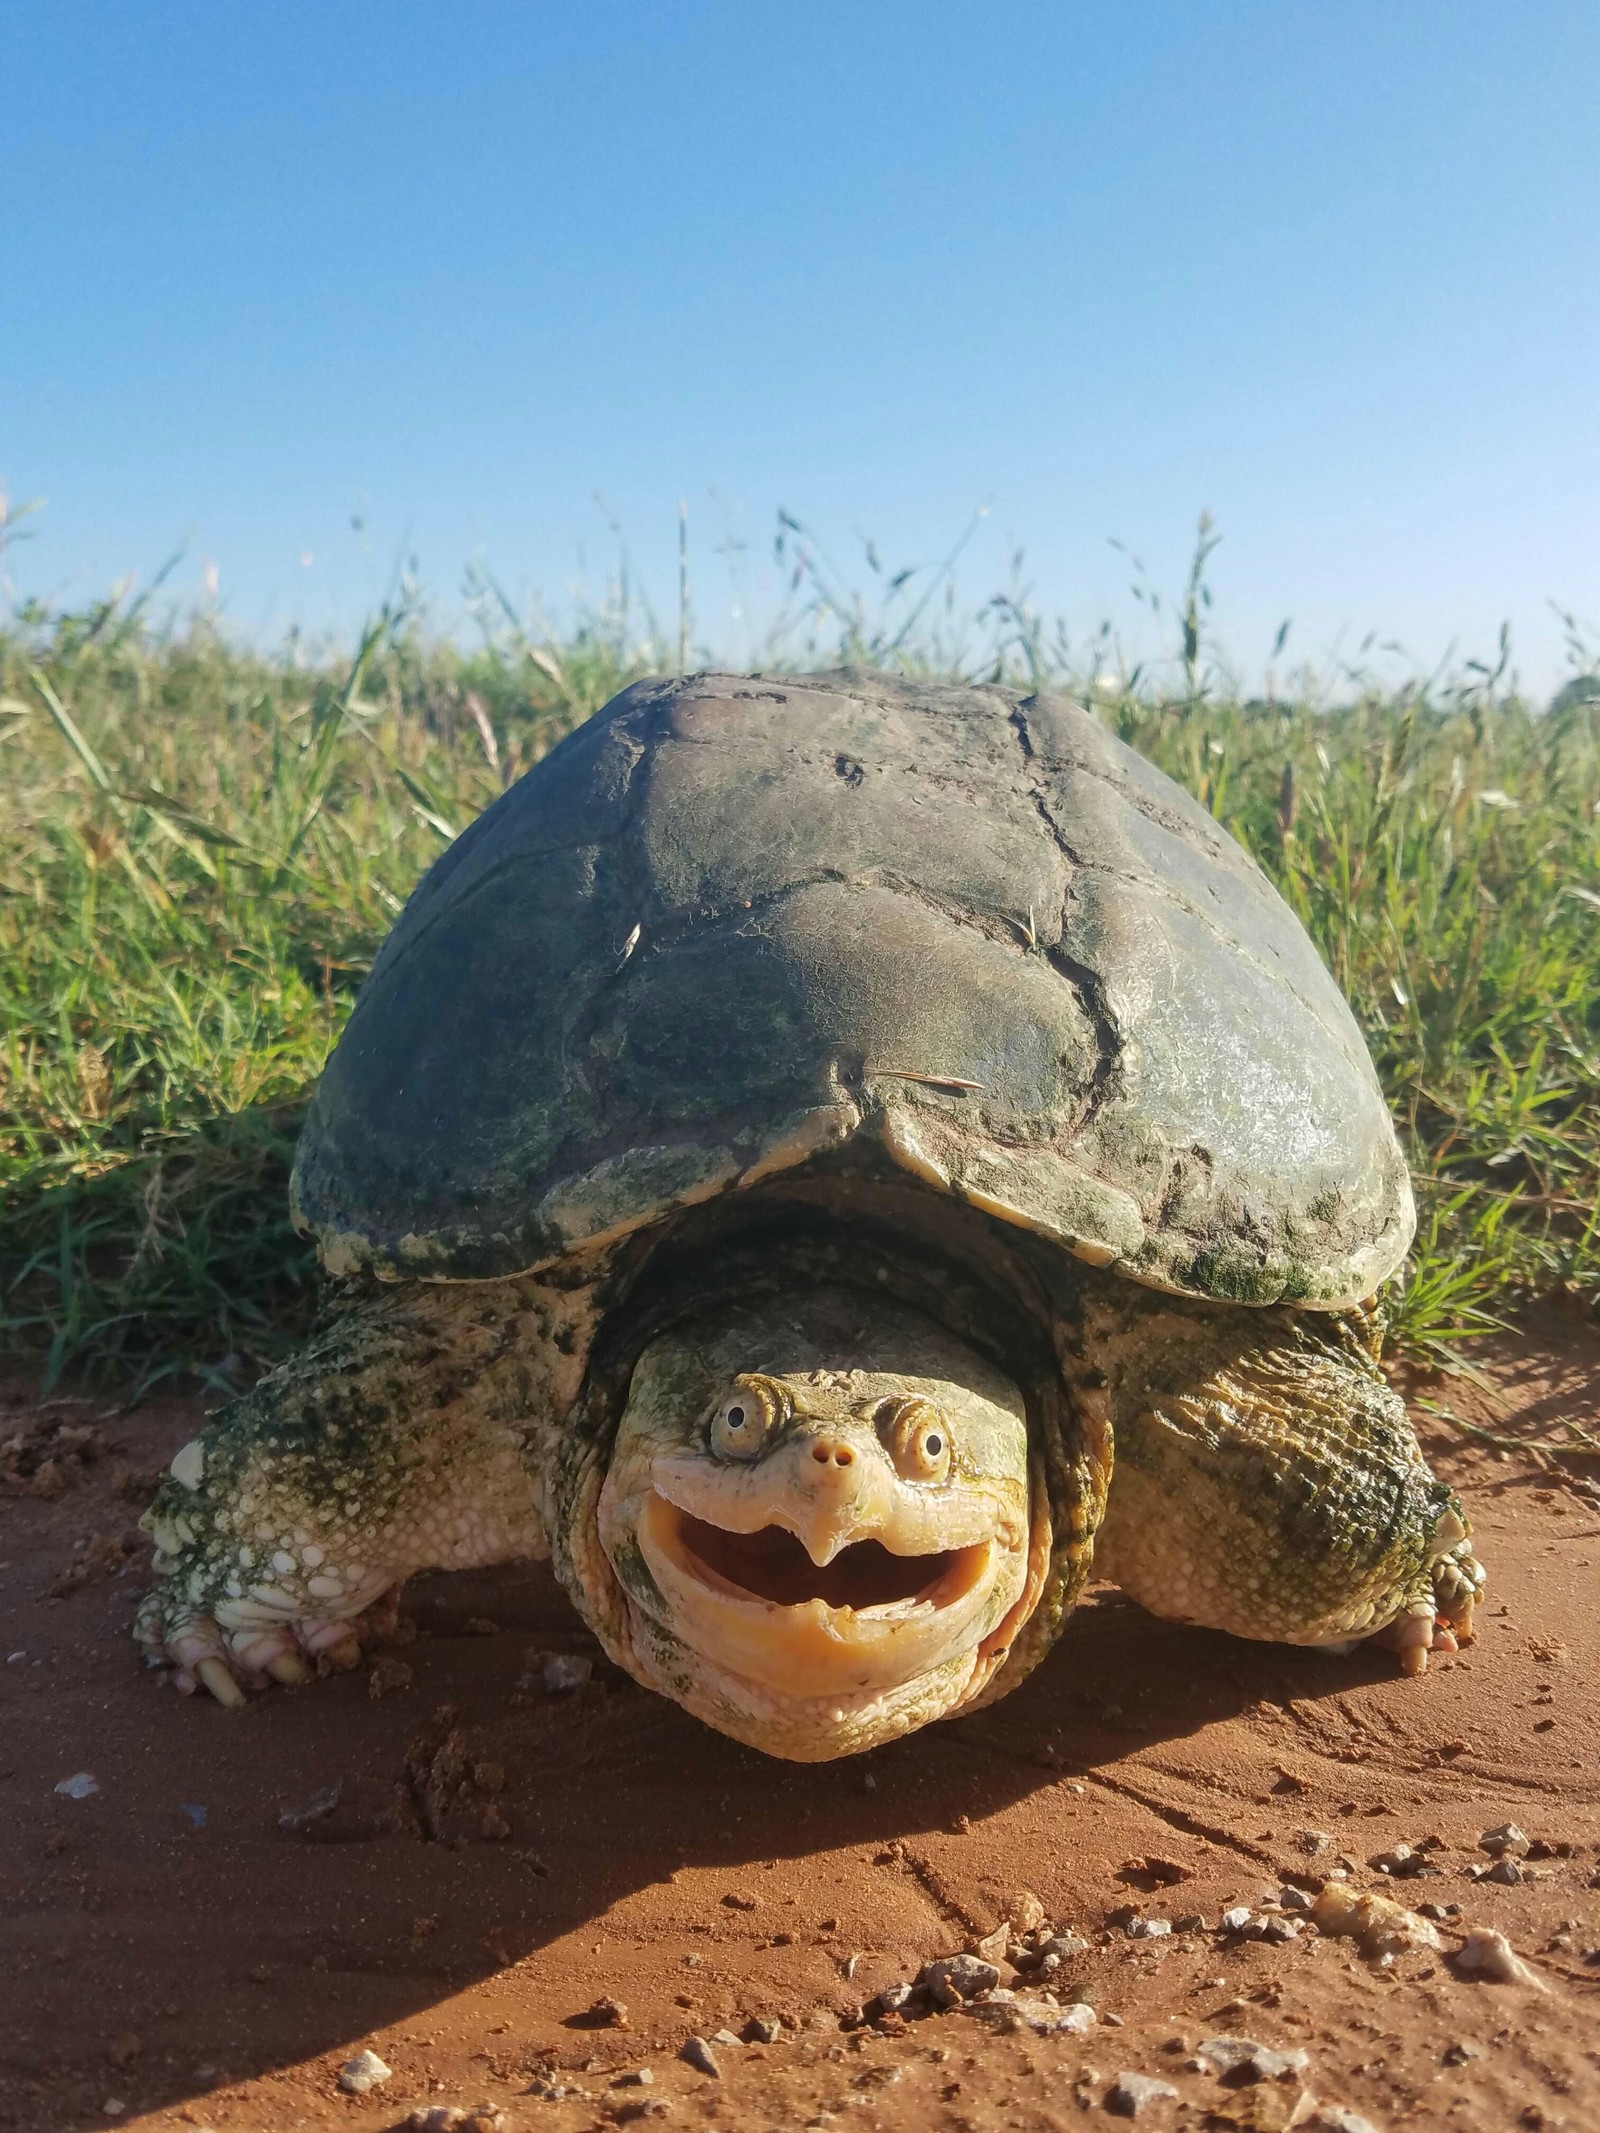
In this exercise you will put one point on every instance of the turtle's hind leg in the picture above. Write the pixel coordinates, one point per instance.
(393, 1442)
(1268, 1482)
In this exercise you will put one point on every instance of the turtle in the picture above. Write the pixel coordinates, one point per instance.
(833, 1162)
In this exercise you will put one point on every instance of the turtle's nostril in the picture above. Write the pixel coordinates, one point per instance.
(833, 1455)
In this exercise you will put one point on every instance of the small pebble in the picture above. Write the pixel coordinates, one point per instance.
(388, 1674)
(955, 1978)
(1027, 1911)
(1339, 2118)
(1458, 2054)
(1236, 1919)
(453, 2118)
(1504, 1838)
(365, 2071)
(80, 1786)
(1253, 2061)
(726, 2037)
(767, 2029)
(1506, 1871)
(1148, 1928)
(636, 2077)
(1294, 1899)
(698, 2054)
(563, 1673)
(894, 1997)
(1491, 1955)
(1130, 2094)
(1400, 1860)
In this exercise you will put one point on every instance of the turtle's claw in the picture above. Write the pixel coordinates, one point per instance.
(1413, 1636)
(217, 1676)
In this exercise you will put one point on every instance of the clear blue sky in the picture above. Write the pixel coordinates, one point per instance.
(1325, 267)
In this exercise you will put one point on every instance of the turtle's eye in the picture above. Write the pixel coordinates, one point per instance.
(744, 1419)
(916, 1437)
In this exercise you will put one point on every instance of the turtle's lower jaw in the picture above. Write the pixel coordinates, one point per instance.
(757, 1607)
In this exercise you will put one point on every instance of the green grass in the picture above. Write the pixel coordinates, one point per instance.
(200, 850)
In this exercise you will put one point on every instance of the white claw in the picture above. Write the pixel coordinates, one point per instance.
(344, 1655)
(214, 1675)
(1412, 1636)
(289, 1668)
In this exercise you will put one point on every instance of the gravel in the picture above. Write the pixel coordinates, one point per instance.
(1130, 2094)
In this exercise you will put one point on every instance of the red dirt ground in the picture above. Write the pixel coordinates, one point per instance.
(499, 1858)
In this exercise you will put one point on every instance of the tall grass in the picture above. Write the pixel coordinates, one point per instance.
(200, 849)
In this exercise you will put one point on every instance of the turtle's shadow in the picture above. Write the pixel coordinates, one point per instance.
(598, 1800)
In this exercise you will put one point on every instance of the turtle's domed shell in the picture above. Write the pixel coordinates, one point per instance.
(730, 923)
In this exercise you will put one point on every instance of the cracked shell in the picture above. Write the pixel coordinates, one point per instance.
(729, 924)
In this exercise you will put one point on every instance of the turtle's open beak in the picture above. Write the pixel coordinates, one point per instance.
(773, 1565)
(821, 1579)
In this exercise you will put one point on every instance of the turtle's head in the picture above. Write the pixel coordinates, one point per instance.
(821, 1514)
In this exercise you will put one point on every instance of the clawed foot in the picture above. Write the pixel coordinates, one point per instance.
(1416, 1637)
(1445, 1624)
(202, 1654)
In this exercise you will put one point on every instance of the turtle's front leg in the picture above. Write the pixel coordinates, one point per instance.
(393, 1442)
(1268, 1482)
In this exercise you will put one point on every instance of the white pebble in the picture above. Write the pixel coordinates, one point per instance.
(563, 1672)
(365, 2071)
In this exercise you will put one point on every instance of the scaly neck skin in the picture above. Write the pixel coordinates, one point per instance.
(820, 1511)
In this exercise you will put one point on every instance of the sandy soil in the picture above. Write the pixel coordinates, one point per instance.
(441, 1860)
